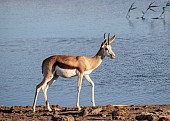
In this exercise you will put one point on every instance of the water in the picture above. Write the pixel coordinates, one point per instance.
(32, 30)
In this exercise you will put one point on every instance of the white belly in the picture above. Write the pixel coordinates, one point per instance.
(66, 72)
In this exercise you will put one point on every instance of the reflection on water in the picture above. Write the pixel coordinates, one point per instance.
(33, 30)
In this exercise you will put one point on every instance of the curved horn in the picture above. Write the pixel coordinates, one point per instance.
(108, 39)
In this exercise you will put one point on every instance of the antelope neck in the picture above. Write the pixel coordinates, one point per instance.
(100, 54)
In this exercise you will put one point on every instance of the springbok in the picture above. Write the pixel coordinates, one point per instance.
(69, 66)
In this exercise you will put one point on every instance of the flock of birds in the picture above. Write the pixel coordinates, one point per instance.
(151, 8)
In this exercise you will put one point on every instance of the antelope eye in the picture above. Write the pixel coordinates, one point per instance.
(106, 48)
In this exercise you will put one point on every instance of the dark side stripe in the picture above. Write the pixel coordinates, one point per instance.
(63, 65)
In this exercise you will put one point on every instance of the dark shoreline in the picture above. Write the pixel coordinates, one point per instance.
(108, 112)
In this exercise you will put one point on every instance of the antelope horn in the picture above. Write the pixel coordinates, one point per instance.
(108, 39)
(105, 37)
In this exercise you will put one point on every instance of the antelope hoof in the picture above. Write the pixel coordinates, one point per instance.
(49, 109)
(93, 103)
(33, 109)
(78, 108)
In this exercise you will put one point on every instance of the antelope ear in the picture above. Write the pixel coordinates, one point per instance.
(112, 39)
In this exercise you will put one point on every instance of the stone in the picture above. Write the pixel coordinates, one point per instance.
(85, 112)
(64, 118)
(144, 117)
(109, 108)
(97, 110)
(164, 118)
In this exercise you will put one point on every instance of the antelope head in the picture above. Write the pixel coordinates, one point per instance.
(106, 47)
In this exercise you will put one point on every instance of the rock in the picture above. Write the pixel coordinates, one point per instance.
(56, 113)
(144, 117)
(121, 113)
(164, 118)
(104, 115)
(118, 118)
(96, 111)
(56, 107)
(64, 118)
(16, 109)
(85, 112)
(109, 112)
(109, 108)
(159, 110)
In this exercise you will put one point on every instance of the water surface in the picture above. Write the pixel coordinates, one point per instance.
(31, 30)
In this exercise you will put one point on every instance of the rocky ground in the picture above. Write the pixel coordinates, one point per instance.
(102, 113)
